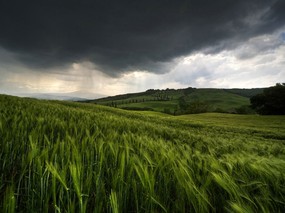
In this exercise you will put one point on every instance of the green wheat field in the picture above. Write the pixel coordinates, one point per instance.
(60, 156)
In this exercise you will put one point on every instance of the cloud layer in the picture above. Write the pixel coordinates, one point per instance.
(264, 65)
(122, 36)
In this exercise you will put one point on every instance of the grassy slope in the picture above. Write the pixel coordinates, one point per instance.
(219, 98)
(273, 123)
(225, 100)
(70, 157)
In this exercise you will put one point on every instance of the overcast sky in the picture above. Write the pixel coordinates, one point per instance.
(111, 47)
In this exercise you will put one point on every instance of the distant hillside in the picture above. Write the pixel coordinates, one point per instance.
(246, 92)
(183, 101)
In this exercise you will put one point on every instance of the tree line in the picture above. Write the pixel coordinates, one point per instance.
(271, 101)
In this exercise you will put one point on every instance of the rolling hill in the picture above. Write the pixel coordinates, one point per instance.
(169, 100)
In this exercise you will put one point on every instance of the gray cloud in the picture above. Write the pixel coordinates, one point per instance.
(257, 62)
(119, 36)
(258, 46)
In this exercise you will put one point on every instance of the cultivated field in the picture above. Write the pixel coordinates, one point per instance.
(71, 157)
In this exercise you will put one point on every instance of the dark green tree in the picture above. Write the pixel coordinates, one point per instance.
(271, 101)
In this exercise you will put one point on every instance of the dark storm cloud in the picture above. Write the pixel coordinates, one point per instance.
(127, 35)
